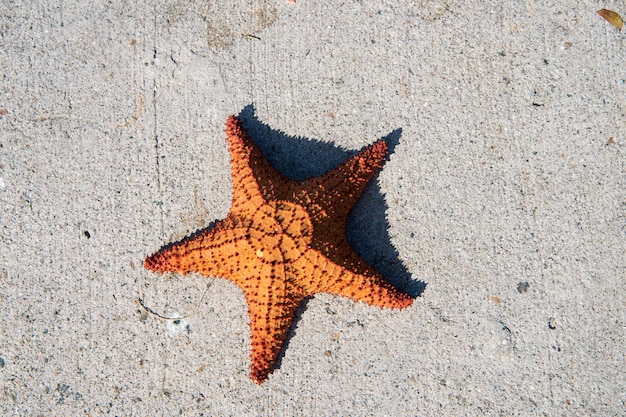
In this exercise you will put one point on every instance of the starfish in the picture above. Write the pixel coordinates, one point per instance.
(283, 241)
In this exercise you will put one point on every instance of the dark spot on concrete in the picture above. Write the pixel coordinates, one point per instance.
(552, 323)
(522, 287)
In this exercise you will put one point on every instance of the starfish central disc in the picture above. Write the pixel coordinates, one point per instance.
(280, 232)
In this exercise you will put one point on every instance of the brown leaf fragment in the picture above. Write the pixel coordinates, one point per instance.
(496, 300)
(3, 112)
(612, 17)
(611, 140)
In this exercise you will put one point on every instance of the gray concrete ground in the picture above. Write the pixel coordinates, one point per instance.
(505, 194)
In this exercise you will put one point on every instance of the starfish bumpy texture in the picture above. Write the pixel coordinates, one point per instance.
(283, 241)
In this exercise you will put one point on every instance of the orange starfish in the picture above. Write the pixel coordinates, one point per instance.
(283, 241)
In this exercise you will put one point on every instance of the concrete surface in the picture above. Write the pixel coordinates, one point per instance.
(505, 194)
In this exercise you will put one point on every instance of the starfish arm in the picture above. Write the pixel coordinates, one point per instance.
(219, 251)
(272, 303)
(254, 178)
(339, 251)
(317, 274)
(337, 191)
